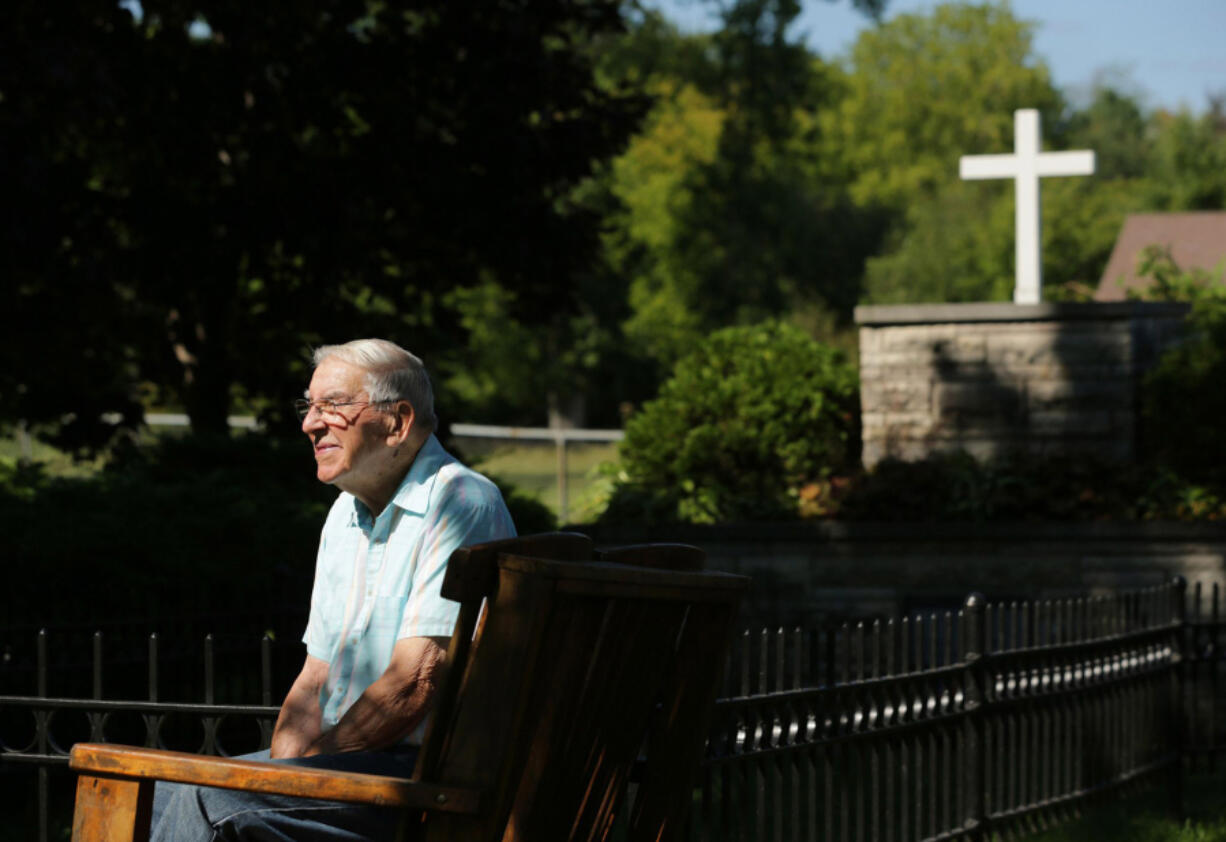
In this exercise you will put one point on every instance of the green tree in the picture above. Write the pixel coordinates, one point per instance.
(731, 215)
(1116, 127)
(955, 245)
(215, 187)
(1188, 167)
(958, 244)
(923, 89)
(652, 183)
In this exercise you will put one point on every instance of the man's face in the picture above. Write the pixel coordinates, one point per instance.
(349, 450)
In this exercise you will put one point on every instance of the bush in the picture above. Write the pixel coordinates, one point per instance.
(1183, 402)
(527, 513)
(955, 487)
(1182, 399)
(194, 525)
(188, 525)
(746, 427)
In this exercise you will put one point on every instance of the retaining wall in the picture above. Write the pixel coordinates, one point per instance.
(806, 572)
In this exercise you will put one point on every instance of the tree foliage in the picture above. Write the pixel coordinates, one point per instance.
(957, 245)
(653, 183)
(208, 187)
(923, 89)
(1188, 165)
(196, 192)
(1115, 126)
(730, 211)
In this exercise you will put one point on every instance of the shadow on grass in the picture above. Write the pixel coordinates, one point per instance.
(1146, 816)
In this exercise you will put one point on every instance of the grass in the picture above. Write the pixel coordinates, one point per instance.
(532, 467)
(1146, 816)
(55, 462)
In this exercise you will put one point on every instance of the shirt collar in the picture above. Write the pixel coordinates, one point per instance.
(413, 493)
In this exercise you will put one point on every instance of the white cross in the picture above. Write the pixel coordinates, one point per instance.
(1025, 166)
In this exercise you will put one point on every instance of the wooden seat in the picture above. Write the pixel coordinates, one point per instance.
(577, 666)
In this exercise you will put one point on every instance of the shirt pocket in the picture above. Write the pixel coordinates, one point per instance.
(386, 617)
(325, 626)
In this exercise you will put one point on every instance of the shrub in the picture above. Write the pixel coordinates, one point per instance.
(527, 513)
(955, 487)
(1182, 399)
(187, 525)
(746, 426)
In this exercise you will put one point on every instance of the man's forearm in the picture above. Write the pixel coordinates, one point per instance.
(394, 704)
(294, 733)
(384, 714)
(298, 724)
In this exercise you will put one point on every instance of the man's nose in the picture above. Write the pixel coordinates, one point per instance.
(312, 421)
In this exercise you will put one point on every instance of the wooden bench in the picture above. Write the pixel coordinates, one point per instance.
(577, 669)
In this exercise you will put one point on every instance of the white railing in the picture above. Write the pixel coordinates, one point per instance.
(559, 436)
(178, 419)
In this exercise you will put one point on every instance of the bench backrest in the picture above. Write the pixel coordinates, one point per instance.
(579, 667)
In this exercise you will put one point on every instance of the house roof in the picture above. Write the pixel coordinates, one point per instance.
(1195, 239)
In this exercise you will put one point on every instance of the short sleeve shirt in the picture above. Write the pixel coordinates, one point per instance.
(377, 580)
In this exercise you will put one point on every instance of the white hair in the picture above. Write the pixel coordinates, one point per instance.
(392, 374)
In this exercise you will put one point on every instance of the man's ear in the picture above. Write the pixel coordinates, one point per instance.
(403, 417)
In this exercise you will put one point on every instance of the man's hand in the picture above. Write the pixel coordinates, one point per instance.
(298, 724)
(393, 705)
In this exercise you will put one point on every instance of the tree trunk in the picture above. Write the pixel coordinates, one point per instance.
(205, 357)
(207, 394)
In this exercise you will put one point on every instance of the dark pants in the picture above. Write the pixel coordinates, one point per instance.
(185, 813)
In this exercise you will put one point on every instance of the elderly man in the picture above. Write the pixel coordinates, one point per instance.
(378, 628)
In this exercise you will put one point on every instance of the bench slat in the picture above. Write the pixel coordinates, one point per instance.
(276, 778)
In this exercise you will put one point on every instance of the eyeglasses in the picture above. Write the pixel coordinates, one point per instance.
(329, 410)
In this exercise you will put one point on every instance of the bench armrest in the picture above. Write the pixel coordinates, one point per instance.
(115, 761)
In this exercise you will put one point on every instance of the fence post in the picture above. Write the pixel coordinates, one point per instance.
(974, 647)
(44, 739)
(563, 480)
(1179, 674)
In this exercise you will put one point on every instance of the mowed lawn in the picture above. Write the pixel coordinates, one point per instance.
(1145, 816)
(54, 462)
(532, 467)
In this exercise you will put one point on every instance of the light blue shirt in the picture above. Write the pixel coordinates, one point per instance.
(377, 580)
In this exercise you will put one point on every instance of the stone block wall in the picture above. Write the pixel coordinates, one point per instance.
(805, 573)
(997, 379)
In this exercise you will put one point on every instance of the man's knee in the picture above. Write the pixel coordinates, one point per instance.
(204, 814)
(180, 813)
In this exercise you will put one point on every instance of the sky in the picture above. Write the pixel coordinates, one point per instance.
(1170, 52)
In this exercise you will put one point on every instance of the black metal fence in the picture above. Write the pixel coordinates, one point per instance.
(182, 689)
(997, 718)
